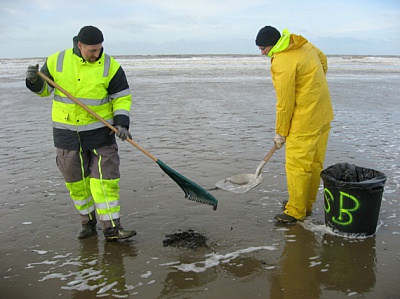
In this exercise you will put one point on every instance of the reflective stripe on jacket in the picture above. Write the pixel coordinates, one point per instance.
(303, 99)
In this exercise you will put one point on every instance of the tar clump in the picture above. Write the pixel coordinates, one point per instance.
(186, 239)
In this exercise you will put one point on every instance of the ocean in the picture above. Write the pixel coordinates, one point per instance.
(208, 117)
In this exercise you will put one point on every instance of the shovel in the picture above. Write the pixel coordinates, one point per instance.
(243, 182)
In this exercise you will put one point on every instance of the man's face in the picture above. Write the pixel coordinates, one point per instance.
(90, 52)
(265, 50)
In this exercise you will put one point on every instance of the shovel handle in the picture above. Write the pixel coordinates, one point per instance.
(270, 153)
(265, 160)
(103, 121)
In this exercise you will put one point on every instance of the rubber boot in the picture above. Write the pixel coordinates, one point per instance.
(88, 226)
(116, 232)
(284, 203)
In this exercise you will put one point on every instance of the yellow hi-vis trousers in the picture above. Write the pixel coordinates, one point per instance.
(92, 178)
(305, 155)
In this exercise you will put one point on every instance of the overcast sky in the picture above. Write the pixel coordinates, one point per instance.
(38, 28)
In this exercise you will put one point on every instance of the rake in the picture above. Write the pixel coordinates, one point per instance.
(192, 191)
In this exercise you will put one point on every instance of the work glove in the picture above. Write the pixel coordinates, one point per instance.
(31, 73)
(279, 140)
(123, 132)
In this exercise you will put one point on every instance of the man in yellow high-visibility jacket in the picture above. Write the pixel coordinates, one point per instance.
(87, 154)
(303, 114)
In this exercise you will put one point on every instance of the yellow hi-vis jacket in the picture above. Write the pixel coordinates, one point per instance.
(299, 77)
(101, 85)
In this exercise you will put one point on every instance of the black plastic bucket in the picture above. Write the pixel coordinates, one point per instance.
(353, 197)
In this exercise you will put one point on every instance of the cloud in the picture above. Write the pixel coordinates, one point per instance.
(41, 27)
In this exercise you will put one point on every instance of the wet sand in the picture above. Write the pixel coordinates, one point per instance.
(208, 118)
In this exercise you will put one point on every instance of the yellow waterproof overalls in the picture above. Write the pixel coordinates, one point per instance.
(303, 114)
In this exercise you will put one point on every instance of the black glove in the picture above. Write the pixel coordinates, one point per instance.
(123, 132)
(31, 73)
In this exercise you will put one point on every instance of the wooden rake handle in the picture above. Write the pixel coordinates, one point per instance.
(115, 130)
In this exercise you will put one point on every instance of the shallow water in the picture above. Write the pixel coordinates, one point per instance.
(207, 117)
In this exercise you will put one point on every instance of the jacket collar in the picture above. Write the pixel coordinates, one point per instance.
(282, 44)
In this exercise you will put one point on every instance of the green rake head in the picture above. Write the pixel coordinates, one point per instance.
(192, 190)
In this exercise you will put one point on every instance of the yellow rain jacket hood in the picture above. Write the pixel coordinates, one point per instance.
(298, 73)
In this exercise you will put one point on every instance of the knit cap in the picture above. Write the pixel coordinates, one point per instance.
(90, 35)
(267, 36)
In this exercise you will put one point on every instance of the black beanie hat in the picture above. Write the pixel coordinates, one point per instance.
(90, 35)
(267, 36)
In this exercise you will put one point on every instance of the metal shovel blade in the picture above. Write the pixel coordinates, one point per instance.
(240, 183)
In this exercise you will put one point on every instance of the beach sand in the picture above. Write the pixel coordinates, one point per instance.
(207, 117)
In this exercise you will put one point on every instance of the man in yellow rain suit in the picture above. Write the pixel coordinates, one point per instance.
(87, 154)
(303, 114)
